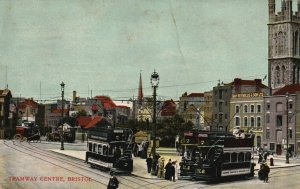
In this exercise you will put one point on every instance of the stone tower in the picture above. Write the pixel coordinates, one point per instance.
(284, 45)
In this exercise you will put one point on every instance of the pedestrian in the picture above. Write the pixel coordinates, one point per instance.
(149, 163)
(168, 170)
(173, 171)
(260, 157)
(135, 149)
(113, 182)
(266, 171)
(265, 155)
(161, 166)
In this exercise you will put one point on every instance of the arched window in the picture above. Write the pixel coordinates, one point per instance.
(252, 122)
(237, 121)
(241, 157)
(245, 108)
(280, 43)
(296, 40)
(99, 149)
(258, 121)
(283, 74)
(234, 157)
(277, 75)
(245, 121)
(248, 156)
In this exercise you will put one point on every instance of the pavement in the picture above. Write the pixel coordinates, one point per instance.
(140, 167)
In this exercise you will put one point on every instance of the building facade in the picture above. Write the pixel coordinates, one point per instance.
(281, 115)
(191, 108)
(5, 129)
(246, 111)
(208, 110)
(221, 107)
(222, 95)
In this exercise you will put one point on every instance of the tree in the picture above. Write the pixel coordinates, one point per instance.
(168, 129)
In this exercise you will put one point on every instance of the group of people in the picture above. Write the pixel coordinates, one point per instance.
(160, 169)
(263, 173)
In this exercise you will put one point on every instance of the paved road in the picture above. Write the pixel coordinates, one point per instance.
(44, 169)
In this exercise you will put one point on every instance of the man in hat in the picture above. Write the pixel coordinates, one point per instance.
(168, 169)
(173, 171)
(149, 163)
(264, 171)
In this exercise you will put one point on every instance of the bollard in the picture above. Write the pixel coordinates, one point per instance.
(271, 162)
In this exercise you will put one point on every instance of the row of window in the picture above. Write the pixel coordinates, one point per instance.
(235, 157)
(279, 106)
(247, 122)
(268, 133)
(249, 109)
(100, 149)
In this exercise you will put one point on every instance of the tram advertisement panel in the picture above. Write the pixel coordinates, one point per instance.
(189, 138)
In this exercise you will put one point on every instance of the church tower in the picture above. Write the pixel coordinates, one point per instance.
(140, 93)
(284, 45)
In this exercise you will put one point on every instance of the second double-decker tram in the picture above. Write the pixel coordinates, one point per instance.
(217, 155)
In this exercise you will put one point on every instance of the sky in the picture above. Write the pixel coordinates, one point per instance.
(99, 47)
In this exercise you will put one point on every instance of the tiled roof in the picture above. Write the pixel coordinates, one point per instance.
(4, 92)
(291, 89)
(93, 122)
(95, 107)
(255, 82)
(83, 120)
(28, 102)
(196, 95)
(106, 101)
(88, 121)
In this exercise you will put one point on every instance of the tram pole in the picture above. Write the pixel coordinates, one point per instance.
(287, 129)
(62, 115)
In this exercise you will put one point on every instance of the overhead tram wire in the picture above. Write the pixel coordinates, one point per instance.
(146, 88)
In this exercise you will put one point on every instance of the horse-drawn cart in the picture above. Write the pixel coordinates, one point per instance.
(26, 134)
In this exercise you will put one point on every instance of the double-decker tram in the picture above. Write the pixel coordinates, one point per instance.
(110, 149)
(214, 156)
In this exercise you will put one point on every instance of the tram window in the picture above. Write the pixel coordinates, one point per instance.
(226, 158)
(248, 156)
(99, 149)
(111, 150)
(241, 157)
(104, 150)
(90, 147)
(234, 157)
(94, 147)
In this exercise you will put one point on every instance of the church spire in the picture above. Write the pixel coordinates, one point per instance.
(140, 94)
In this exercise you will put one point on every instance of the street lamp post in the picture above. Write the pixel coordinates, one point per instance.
(62, 115)
(154, 82)
(287, 129)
